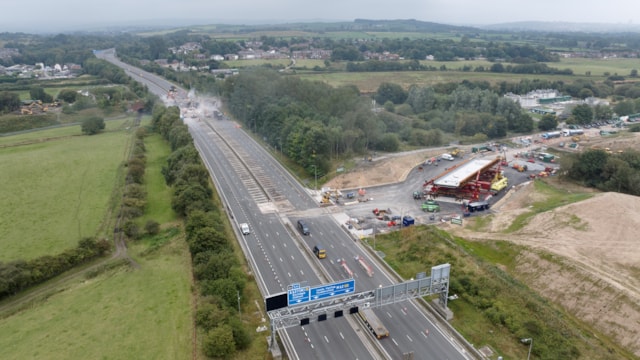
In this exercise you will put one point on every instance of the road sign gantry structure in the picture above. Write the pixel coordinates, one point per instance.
(283, 316)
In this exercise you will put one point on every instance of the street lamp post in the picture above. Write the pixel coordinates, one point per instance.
(530, 342)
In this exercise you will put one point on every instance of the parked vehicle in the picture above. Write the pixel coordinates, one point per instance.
(430, 206)
(551, 135)
(499, 185)
(408, 220)
(478, 206)
(447, 157)
(572, 132)
(480, 149)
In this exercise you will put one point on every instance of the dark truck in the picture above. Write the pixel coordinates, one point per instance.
(408, 220)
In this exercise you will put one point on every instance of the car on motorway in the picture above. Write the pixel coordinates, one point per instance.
(320, 252)
(244, 227)
(302, 226)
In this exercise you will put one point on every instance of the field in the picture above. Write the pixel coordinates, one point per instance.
(119, 314)
(115, 311)
(56, 188)
(598, 67)
(368, 82)
(158, 193)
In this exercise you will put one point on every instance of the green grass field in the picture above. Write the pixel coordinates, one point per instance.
(158, 193)
(120, 314)
(56, 192)
(369, 82)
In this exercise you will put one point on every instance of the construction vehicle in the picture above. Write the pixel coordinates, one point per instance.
(364, 265)
(457, 153)
(520, 168)
(26, 111)
(575, 139)
(326, 200)
(379, 213)
(499, 184)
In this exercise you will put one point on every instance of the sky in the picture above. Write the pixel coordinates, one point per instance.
(38, 16)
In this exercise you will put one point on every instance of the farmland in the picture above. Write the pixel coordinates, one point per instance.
(57, 191)
(112, 310)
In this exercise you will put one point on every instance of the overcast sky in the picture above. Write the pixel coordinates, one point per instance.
(62, 15)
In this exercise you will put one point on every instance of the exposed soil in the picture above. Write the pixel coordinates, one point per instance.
(594, 267)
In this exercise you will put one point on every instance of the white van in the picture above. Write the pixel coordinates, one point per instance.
(244, 227)
(447, 157)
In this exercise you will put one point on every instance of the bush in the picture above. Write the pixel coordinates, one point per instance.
(131, 229)
(92, 125)
(152, 227)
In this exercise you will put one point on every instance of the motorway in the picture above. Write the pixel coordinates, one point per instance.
(258, 191)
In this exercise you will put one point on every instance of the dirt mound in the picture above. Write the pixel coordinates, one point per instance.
(594, 269)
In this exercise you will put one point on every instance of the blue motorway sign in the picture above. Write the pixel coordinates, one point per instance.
(331, 290)
(298, 295)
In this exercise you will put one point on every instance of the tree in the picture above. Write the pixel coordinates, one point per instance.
(389, 142)
(92, 125)
(497, 68)
(131, 229)
(38, 93)
(390, 92)
(9, 101)
(548, 122)
(583, 114)
(219, 342)
(241, 336)
(152, 227)
(589, 167)
(67, 95)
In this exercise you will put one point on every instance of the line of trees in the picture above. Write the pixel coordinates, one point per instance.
(314, 123)
(19, 275)
(597, 168)
(217, 270)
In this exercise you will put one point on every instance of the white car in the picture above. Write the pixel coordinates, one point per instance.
(244, 227)
(447, 157)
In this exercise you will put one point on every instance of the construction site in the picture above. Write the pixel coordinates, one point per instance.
(470, 180)
(35, 107)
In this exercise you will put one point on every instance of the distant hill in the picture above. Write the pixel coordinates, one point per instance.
(409, 25)
(560, 26)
